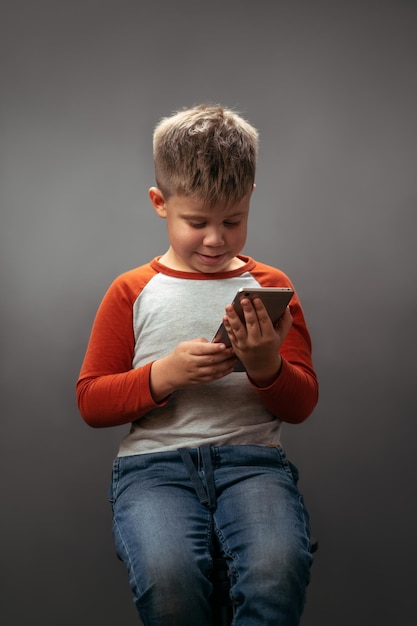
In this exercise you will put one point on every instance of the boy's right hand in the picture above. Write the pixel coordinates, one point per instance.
(190, 363)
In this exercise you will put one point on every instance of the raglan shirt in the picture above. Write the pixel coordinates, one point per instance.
(144, 315)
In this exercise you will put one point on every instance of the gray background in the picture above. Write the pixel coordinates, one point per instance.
(331, 87)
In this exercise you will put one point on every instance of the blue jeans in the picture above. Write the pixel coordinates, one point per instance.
(163, 530)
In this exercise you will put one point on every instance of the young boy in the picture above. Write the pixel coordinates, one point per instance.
(203, 458)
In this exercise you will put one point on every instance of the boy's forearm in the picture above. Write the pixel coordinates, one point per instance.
(115, 399)
(293, 395)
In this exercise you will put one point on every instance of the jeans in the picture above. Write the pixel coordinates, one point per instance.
(164, 529)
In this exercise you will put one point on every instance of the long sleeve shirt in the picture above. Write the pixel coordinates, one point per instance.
(148, 311)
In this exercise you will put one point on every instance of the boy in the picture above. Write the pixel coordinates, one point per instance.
(203, 459)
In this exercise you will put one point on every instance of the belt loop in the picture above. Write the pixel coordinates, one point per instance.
(209, 473)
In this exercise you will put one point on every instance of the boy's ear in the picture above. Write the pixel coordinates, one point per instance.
(158, 201)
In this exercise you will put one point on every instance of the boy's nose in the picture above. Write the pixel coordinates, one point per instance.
(213, 237)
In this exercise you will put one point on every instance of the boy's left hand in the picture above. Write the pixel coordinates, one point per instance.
(257, 343)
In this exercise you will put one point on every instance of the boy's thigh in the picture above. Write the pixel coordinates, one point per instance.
(260, 513)
(157, 517)
(263, 529)
(162, 533)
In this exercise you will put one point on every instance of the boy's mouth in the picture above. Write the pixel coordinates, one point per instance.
(211, 259)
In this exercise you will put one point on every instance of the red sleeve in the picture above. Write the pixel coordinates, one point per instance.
(294, 394)
(109, 392)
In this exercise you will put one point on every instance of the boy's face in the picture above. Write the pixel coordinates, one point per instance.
(202, 239)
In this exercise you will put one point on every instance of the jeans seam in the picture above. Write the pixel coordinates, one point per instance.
(114, 480)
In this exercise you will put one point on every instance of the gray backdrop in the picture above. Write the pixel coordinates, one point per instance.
(331, 87)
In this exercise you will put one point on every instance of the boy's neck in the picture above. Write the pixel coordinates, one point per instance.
(170, 260)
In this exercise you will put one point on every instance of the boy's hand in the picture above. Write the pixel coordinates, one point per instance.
(190, 363)
(257, 343)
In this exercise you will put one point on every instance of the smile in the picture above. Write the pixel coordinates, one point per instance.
(211, 260)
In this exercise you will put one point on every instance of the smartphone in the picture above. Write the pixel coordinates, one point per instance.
(275, 300)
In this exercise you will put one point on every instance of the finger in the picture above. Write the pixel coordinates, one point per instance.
(213, 353)
(261, 312)
(232, 322)
(253, 329)
(285, 322)
(202, 346)
(214, 370)
(234, 327)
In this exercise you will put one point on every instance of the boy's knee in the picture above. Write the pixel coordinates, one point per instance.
(174, 591)
(276, 570)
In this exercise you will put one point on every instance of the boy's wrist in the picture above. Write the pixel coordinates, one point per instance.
(265, 377)
(159, 384)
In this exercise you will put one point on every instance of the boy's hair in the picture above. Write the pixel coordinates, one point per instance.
(207, 152)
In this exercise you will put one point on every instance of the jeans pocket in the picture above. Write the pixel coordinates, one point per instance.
(289, 467)
(294, 472)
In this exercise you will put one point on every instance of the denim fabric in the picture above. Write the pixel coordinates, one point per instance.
(164, 535)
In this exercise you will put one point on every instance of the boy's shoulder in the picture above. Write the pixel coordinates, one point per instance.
(133, 280)
(269, 275)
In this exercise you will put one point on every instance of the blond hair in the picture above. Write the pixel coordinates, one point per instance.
(207, 152)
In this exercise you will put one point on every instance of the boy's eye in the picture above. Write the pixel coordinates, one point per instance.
(203, 224)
